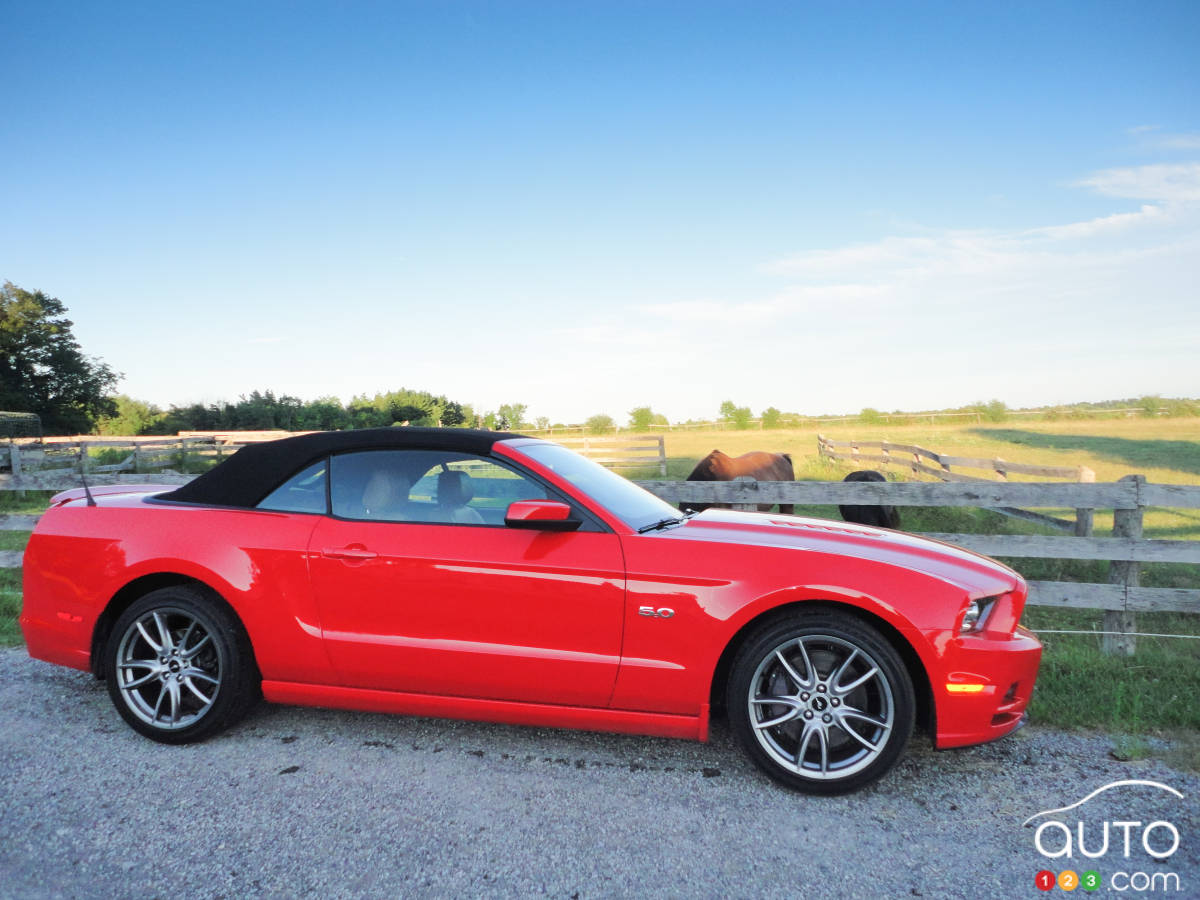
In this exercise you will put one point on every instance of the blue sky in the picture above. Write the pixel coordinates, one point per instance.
(587, 207)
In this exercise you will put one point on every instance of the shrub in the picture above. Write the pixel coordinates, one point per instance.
(600, 424)
(869, 416)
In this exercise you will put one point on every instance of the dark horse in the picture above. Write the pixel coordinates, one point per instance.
(879, 516)
(759, 465)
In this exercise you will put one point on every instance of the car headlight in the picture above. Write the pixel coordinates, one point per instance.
(974, 615)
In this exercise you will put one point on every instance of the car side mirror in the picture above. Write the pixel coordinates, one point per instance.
(540, 515)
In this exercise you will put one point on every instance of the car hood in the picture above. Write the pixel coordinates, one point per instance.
(979, 575)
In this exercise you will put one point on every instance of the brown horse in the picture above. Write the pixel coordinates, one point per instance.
(758, 464)
(879, 516)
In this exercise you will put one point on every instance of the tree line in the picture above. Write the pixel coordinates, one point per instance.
(44, 371)
(264, 411)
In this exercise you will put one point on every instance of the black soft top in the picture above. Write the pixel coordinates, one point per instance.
(257, 469)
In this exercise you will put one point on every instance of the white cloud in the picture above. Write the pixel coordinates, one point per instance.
(995, 258)
(1177, 183)
(933, 318)
(1180, 142)
(794, 300)
(1148, 214)
(1151, 137)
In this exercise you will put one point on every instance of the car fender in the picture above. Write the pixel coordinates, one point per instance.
(797, 596)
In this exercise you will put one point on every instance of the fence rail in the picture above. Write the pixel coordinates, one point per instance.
(66, 454)
(831, 449)
(638, 451)
(943, 470)
(1125, 550)
(71, 454)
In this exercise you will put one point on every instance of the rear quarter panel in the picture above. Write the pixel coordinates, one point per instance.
(80, 557)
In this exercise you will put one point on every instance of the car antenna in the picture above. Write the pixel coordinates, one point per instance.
(91, 501)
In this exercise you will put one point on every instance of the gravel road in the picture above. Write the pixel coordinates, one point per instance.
(300, 801)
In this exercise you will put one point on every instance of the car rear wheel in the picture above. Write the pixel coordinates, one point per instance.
(179, 666)
(821, 702)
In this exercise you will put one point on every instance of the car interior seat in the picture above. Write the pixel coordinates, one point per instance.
(384, 496)
(454, 492)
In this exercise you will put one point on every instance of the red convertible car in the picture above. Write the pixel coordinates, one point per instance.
(482, 575)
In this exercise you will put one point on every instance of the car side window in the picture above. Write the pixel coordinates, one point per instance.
(429, 486)
(303, 492)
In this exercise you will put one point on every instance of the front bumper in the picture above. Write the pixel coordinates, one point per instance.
(987, 685)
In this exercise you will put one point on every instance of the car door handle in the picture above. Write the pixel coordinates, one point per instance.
(349, 553)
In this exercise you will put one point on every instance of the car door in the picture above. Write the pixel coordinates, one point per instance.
(422, 591)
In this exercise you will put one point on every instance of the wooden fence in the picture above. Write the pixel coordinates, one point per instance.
(915, 458)
(647, 450)
(45, 461)
(1120, 598)
(50, 458)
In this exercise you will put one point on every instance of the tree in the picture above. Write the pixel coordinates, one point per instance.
(996, 411)
(770, 417)
(600, 424)
(42, 367)
(130, 417)
(641, 418)
(512, 416)
(870, 416)
(542, 423)
(323, 414)
(1149, 405)
(737, 416)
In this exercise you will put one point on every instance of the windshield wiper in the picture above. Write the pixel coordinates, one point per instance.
(662, 523)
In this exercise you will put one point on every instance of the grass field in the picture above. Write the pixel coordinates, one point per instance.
(1152, 692)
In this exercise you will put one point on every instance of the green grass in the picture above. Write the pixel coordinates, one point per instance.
(10, 607)
(24, 503)
(1081, 687)
(13, 540)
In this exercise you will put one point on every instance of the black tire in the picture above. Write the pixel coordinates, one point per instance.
(821, 702)
(179, 666)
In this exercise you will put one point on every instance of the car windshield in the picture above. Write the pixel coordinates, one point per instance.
(634, 506)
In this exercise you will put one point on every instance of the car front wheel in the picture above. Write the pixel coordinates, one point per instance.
(179, 666)
(821, 702)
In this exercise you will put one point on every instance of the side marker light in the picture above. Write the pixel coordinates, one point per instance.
(965, 688)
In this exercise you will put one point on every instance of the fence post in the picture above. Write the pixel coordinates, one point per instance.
(1084, 517)
(1127, 523)
(14, 455)
(749, 507)
(662, 456)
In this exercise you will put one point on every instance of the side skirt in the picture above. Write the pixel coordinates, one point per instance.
(506, 711)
